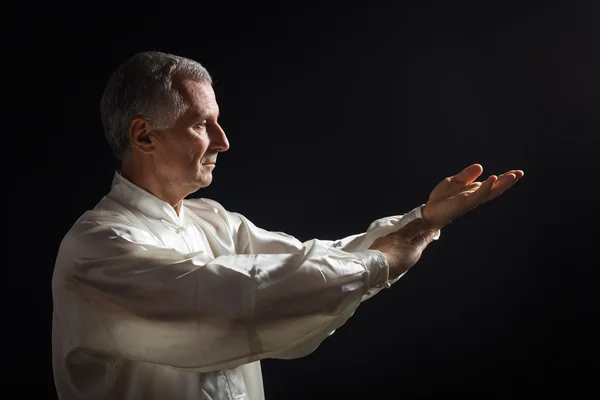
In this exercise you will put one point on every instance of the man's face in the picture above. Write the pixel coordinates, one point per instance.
(186, 152)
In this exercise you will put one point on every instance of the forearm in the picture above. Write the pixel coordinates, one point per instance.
(206, 314)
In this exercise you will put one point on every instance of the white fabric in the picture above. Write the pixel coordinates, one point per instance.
(149, 304)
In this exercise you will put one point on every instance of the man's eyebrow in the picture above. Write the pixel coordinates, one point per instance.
(195, 115)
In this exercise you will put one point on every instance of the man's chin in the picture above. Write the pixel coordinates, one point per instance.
(204, 180)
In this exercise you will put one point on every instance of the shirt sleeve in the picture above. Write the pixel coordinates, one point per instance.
(139, 301)
(252, 239)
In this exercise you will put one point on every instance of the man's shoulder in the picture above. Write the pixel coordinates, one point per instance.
(107, 213)
(101, 229)
(101, 217)
(96, 218)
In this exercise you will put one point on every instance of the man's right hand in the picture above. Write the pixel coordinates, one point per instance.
(403, 248)
(458, 194)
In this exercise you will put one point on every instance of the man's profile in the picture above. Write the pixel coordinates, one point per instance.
(161, 297)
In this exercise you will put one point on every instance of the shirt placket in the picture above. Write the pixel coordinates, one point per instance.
(180, 232)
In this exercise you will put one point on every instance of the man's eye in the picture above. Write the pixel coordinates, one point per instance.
(201, 125)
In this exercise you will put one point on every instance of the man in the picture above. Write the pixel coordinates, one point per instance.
(157, 297)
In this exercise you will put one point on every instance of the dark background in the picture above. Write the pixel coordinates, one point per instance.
(339, 114)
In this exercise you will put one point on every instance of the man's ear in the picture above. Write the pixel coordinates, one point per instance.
(140, 133)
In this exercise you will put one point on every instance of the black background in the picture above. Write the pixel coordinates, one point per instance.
(339, 114)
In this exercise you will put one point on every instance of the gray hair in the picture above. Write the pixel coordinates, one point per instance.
(143, 87)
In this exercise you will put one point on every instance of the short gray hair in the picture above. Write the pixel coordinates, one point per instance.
(143, 87)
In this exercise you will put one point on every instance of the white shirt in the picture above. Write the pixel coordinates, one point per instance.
(153, 305)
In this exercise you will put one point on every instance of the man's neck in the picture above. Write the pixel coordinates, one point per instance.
(149, 181)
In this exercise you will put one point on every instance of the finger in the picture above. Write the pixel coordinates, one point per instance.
(501, 186)
(481, 194)
(423, 240)
(464, 189)
(502, 182)
(469, 188)
(468, 174)
(516, 172)
(418, 233)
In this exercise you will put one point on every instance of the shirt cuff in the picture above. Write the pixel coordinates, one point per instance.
(377, 268)
(415, 214)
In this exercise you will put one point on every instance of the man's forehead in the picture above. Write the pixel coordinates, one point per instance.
(198, 94)
(191, 88)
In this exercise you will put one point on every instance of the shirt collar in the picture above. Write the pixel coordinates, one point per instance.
(135, 197)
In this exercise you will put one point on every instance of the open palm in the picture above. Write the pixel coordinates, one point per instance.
(455, 195)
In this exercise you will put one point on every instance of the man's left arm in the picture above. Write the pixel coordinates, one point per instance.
(250, 239)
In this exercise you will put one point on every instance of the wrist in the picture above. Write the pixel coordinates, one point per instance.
(426, 214)
(429, 220)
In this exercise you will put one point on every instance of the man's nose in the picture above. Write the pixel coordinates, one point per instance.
(219, 139)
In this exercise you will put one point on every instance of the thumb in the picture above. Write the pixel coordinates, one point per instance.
(468, 174)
